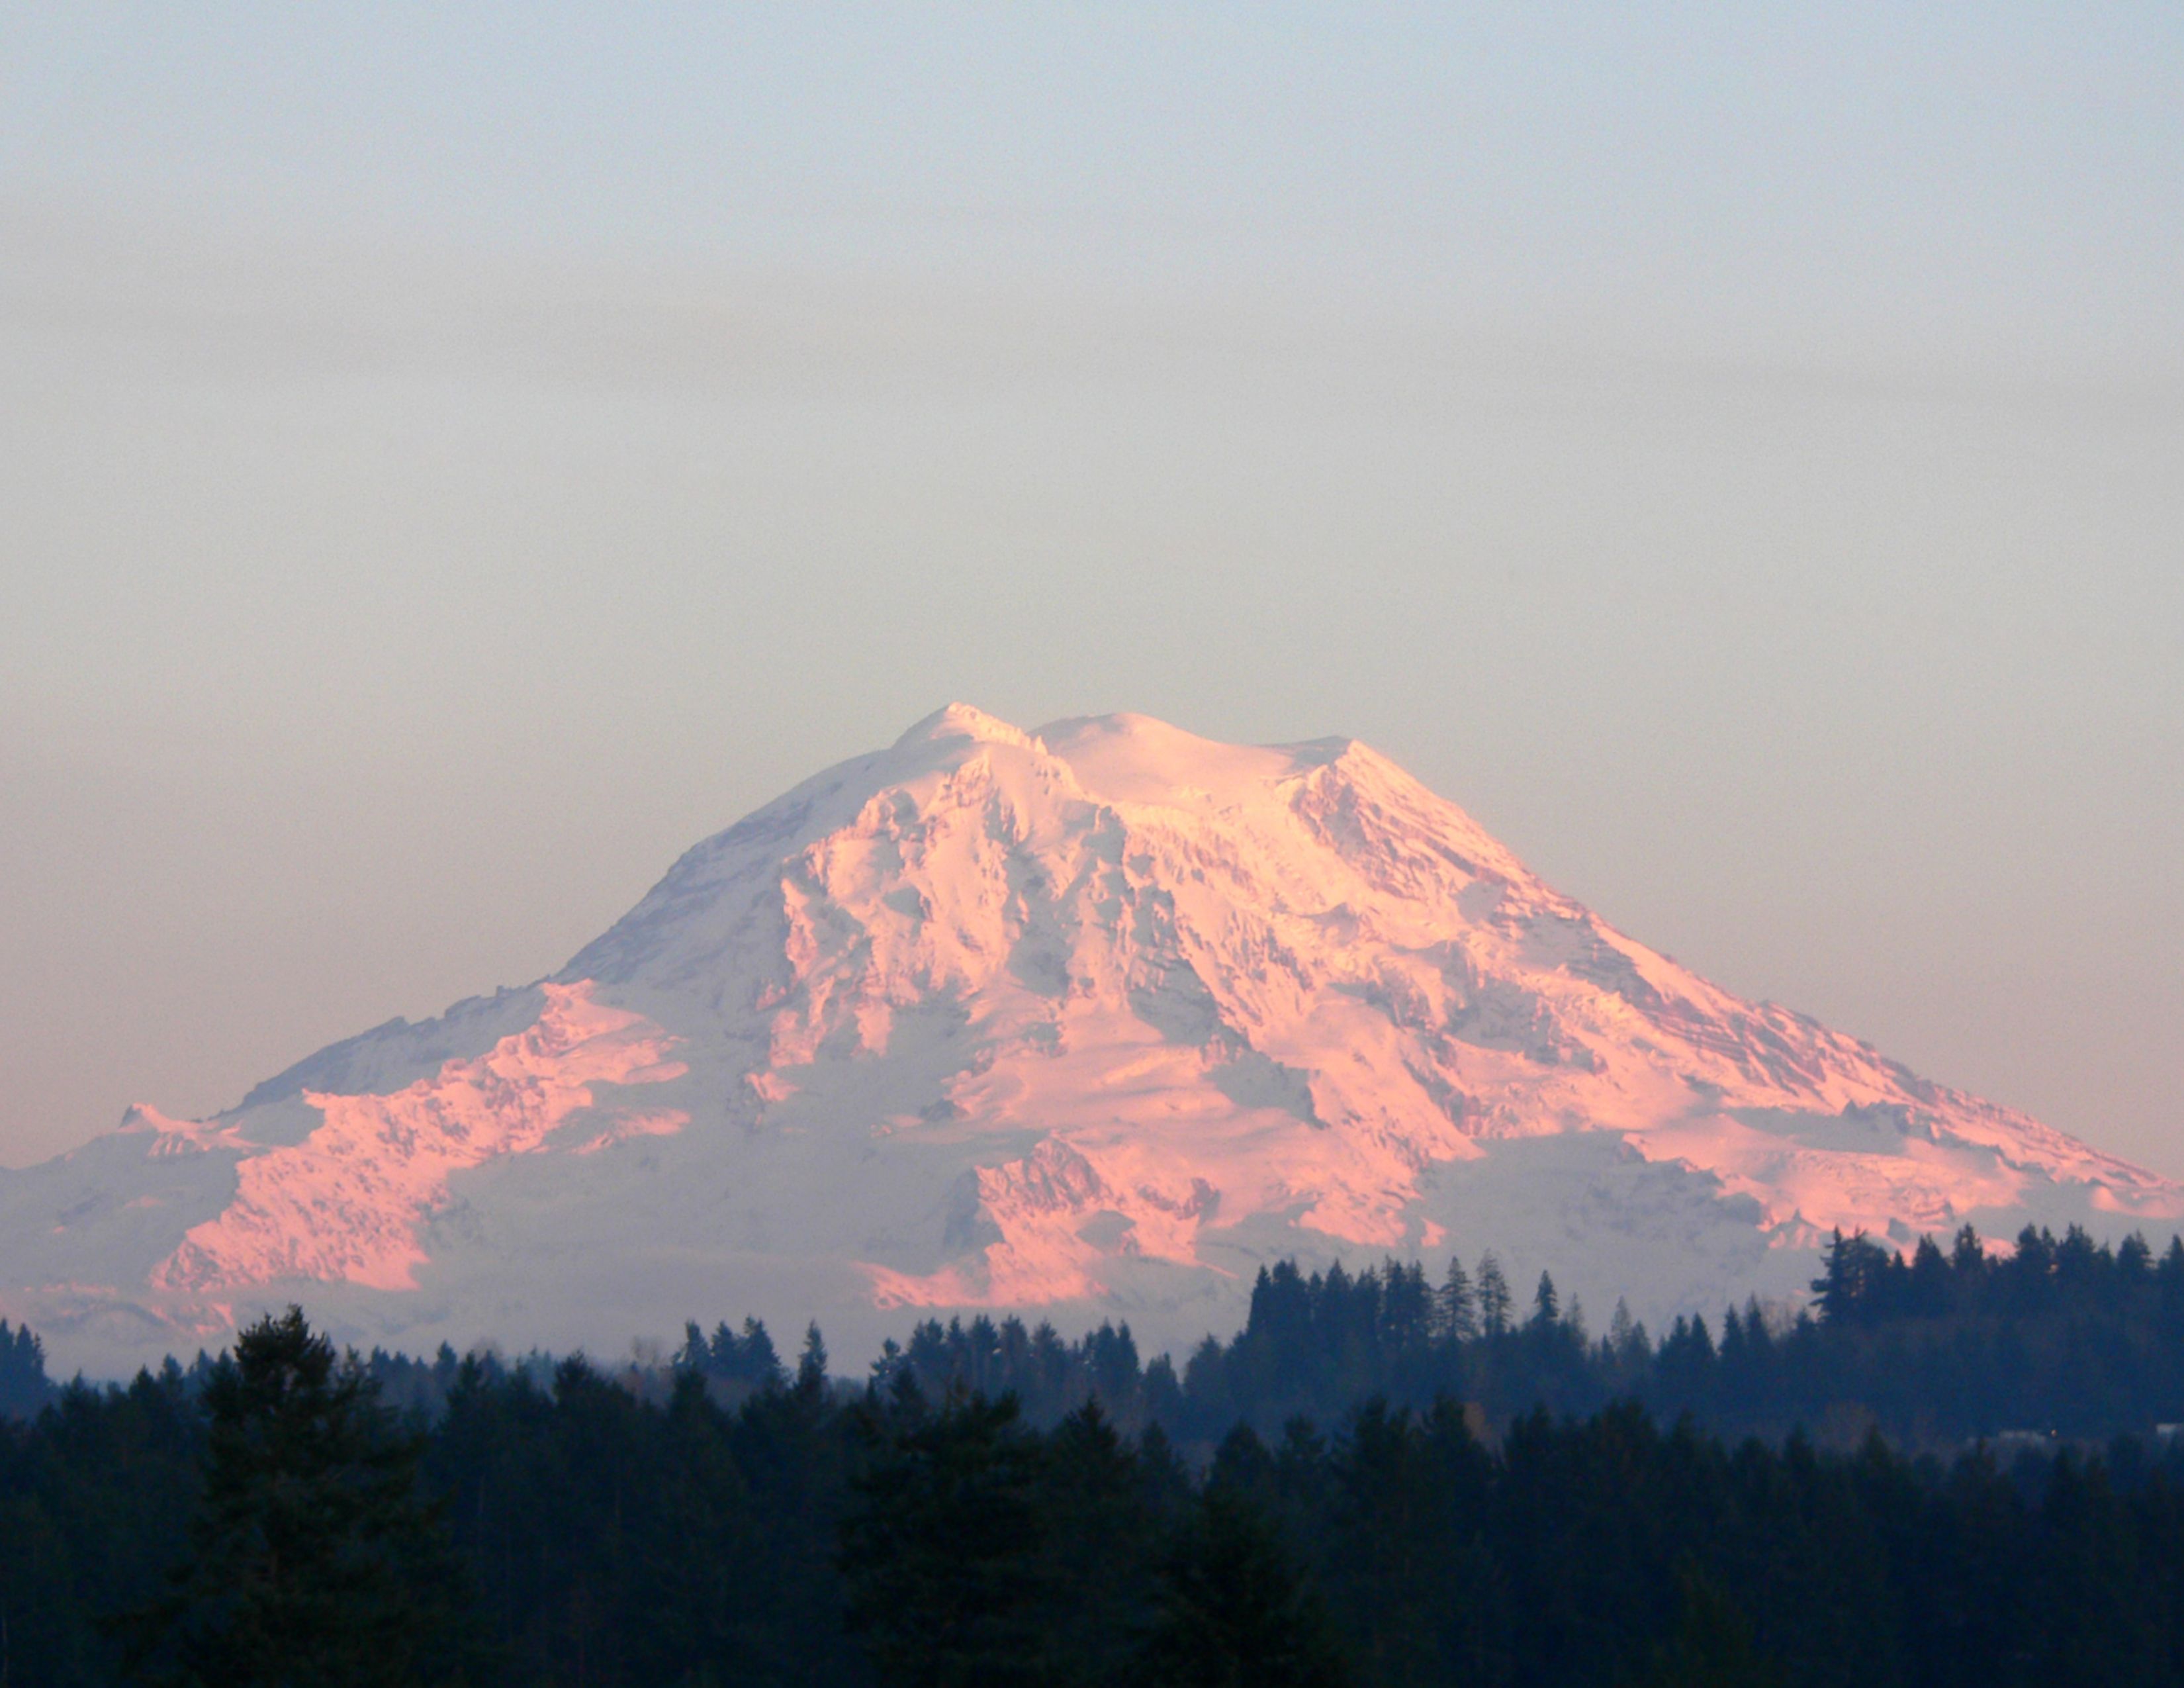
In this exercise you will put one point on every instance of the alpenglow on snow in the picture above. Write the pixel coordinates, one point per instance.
(1086, 1022)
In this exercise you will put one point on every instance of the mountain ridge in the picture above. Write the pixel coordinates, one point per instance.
(1092, 1017)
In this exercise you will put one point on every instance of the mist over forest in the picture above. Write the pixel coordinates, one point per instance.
(1951, 1468)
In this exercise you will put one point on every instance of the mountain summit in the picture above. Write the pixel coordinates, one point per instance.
(1092, 1020)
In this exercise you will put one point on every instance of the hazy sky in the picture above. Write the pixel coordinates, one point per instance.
(448, 464)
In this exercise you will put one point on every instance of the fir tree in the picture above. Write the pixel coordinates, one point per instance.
(811, 1365)
(1233, 1611)
(2168, 1288)
(1967, 1256)
(24, 1388)
(313, 1561)
(1097, 1517)
(1457, 1311)
(1626, 1337)
(943, 1560)
(1930, 1281)
(1494, 1298)
(757, 1362)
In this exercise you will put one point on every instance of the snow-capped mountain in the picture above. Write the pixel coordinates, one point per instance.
(1090, 1021)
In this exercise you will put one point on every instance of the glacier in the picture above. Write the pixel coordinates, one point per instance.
(1086, 1023)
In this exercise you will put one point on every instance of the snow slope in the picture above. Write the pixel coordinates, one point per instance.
(1090, 1020)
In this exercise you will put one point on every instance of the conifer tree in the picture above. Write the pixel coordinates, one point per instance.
(811, 1365)
(1930, 1281)
(2169, 1282)
(1968, 1258)
(1233, 1611)
(315, 1563)
(758, 1363)
(1097, 1519)
(1458, 1309)
(24, 1388)
(695, 1356)
(944, 1559)
(1407, 1306)
(1494, 1297)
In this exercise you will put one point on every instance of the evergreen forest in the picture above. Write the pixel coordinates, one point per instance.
(1954, 1466)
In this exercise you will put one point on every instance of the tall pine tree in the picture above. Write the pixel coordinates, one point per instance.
(1233, 1611)
(1458, 1313)
(314, 1561)
(1493, 1295)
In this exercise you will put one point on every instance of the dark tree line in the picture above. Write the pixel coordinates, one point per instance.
(1938, 1350)
(1380, 1479)
(24, 1388)
(283, 1526)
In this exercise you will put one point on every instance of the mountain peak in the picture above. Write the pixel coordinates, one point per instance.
(962, 720)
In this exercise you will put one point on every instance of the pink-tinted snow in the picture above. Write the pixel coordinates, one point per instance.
(1226, 982)
(345, 1204)
(1206, 983)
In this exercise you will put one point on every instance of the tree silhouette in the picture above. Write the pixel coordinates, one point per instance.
(313, 1559)
(943, 1561)
(1493, 1295)
(1233, 1613)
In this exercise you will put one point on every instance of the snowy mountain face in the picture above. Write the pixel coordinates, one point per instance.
(1088, 1022)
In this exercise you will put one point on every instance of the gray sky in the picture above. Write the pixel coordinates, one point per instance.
(451, 465)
